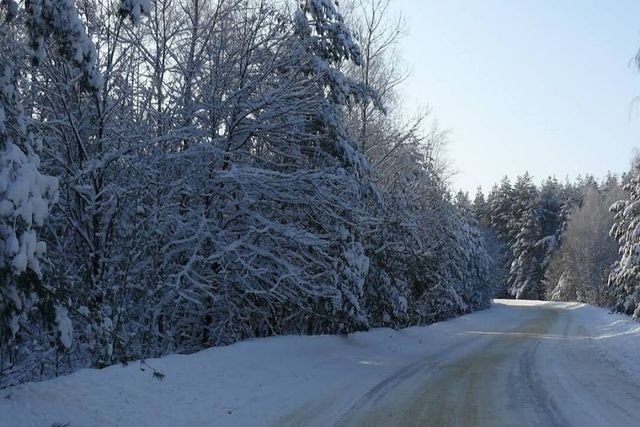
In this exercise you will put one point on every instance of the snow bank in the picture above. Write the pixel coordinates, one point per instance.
(616, 335)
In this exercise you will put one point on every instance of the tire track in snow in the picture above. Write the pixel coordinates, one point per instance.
(489, 385)
(547, 371)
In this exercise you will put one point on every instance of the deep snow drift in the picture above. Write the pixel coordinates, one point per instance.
(300, 380)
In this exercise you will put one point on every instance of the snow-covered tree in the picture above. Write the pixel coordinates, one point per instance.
(242, 170)
(410, 276)
(26, 195)
(580, 267)
(624, 278)
(526, 269)
(524, 228)
(501, 209)
(481, 209)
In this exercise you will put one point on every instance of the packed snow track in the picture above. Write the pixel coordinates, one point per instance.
(520, 363)
(545, 371)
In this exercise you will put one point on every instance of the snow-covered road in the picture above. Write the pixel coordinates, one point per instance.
(519, 363)
(546, 371)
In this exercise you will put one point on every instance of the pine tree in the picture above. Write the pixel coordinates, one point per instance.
(525, 273)
(551, 219)
(481, 209)
(464, 206)
(501, 206)
(624, 280)
(500, 215)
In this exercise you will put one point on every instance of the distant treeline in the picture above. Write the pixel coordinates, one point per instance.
(552, 241)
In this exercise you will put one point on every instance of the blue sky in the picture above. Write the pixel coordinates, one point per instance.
(537, 85)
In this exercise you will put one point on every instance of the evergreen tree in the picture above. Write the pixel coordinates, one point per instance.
(500, 212)
(526, 269)
(481, 209)
(624, 280)
(551, 219)
(464, 206)
(525, 273)
(501, 206)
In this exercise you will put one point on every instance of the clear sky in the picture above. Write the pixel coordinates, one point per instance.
(546, 86)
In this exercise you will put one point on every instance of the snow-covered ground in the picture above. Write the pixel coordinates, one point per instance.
(519, 363)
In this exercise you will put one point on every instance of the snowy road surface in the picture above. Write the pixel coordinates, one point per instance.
(519, 363)
(545, 371)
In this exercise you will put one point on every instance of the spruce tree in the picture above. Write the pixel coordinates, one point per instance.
(624, 280)
(524, 227)
(481, 209)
